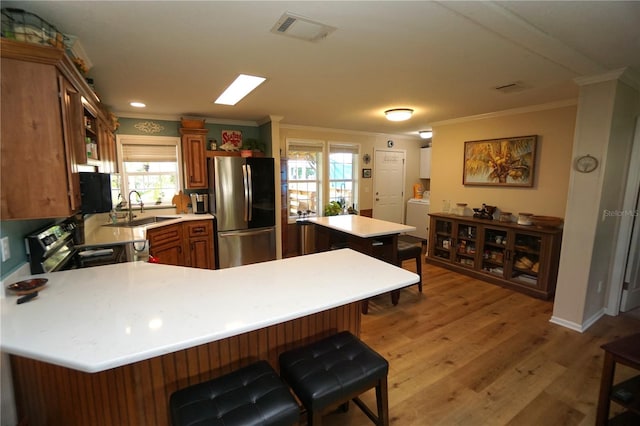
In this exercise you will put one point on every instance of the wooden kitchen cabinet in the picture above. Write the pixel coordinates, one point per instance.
(46, 108)
(40, 131)
(194, 157)
(166, 244)
(106, 147)
(199, 241)
(523, 258)
(184, 244)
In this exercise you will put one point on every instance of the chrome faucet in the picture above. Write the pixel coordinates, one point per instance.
(131, 216)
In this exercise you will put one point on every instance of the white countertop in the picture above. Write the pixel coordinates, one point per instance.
(96, 234)
(99, 318)
(361, 226)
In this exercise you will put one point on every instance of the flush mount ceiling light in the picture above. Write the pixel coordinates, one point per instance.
(241, 87)
(398, 114)
(425, 134)
(137, 104)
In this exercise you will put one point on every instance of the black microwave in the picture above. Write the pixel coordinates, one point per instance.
(95, 190)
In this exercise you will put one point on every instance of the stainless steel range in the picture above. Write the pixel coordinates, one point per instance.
(51, 249)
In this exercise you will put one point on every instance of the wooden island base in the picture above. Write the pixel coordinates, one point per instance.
(138, 393)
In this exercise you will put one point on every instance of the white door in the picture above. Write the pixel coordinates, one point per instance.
(388, 185)
(631, 288)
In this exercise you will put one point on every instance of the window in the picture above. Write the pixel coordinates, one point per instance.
(151, 166)
(304, 170)
(343, 178)
(308, 162)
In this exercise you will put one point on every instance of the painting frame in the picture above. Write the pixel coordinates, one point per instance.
(505, 162)
(366, 173)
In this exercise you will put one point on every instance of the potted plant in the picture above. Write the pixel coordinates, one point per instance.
(254, 146)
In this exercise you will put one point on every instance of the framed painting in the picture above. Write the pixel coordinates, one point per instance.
(366, 173)
(500, 162)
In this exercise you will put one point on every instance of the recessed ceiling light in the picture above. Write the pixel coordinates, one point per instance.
(240, 88)
(398, 114)
(137, 104)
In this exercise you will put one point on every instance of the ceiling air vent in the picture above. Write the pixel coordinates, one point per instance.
(302, 28)
(516, 86)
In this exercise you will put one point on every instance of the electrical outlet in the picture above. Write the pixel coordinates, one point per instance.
(6, 251)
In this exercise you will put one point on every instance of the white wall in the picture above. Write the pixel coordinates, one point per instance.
(604, 128)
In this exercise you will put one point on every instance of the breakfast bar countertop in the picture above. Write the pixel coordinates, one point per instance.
(361, 226)
(99, 318)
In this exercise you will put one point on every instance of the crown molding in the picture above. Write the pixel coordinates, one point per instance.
(209, 120)
(345, 131)
(507, 112)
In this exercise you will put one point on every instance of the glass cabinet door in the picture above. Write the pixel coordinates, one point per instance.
(495, 253)
(465, 253)
(443, 240)
(525, 259)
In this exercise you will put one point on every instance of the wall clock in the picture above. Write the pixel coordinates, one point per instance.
(586, 163)
(390, 143)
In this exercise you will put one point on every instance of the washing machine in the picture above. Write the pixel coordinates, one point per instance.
(418, 216)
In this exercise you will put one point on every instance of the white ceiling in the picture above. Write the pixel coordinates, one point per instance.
(443, 59)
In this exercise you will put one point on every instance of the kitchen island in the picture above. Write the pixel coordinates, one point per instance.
(374, 237)
(108, 345)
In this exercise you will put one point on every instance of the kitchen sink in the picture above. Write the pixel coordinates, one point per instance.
(140, 222)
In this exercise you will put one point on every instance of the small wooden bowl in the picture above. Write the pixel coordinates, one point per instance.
(546, 221)
(27, 286)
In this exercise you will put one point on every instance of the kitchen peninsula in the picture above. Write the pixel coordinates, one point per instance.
(108, 345)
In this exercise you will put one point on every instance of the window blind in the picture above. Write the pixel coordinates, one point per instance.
(338, 148)
(149, 153)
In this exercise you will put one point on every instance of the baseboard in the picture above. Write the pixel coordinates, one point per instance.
(581, 328)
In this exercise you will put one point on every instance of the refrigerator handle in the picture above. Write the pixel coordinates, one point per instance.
(246, 193)
(250, 186)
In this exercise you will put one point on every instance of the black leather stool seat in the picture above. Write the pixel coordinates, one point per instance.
(252, 395)
(334, 370)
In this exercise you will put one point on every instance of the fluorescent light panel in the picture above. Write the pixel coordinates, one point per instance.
(241, 87)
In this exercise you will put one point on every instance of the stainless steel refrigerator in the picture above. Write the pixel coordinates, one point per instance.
(242, 197)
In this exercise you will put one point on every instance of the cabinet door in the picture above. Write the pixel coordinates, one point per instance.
(194, 158)
(165, 243)
(200, 241)
(36, 171)
(466, 245)
(425, 163)
(106, 147)
(442, 241)
(171, 254)
(525, 260)
(494, 250)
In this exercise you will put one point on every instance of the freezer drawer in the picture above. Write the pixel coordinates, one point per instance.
(237, 248)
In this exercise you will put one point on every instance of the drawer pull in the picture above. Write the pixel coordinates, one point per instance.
(199, 230)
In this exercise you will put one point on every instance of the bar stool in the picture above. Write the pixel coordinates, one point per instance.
(334, 370)
(406, 251)
(252, 395)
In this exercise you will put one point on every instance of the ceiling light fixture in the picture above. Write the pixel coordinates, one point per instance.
(137, 104)
(241, 87)
(398, 114)
(425, 134)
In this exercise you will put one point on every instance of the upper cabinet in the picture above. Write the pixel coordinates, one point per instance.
(46, 110)
(194, 157)
(425, 163)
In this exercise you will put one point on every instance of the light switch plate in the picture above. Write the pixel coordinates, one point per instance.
(6, 251)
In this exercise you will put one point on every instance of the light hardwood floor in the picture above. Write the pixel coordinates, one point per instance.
(466, 352)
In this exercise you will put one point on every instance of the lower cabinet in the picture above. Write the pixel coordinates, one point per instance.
(199, 238)
(183, 244)
(165, 244)
(524, 258)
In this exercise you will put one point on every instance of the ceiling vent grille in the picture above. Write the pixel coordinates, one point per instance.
(302, 28)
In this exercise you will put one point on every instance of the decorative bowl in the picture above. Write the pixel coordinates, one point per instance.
(27, 286)
(546, 221)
